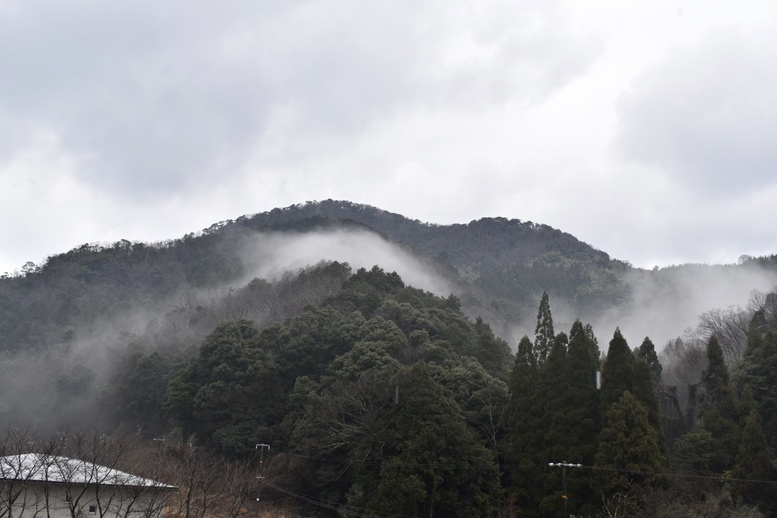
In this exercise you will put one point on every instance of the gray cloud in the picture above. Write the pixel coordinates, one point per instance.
(147, 121)
(155, 100)
(708, 114)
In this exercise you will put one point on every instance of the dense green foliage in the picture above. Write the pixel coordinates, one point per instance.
(556, 415)
(629, 446)
(386, 399)
(390, 399)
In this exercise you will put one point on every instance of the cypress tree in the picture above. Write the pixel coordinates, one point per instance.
(626, 372)
(582, 362)
(628, 447)
(754, 461)
(758, 371)
(582, 413)
(524, 418)
(643, 389)
(555, 423)
(543, 333)
(618, 371)
(717, 408)
(647, 353)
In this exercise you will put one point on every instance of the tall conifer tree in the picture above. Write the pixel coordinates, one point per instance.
(618, 371)
(629, 447)
(543, 333)
(758, 370)
(582, 414)
(582, 397)
(556, 443)
(626, 372)
(524, 417)
(647, 352)
(717, 408)
(644, 390)
(755, 461)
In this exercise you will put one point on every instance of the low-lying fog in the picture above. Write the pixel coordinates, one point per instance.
(269, 256)
(663, 305)
(668, 302)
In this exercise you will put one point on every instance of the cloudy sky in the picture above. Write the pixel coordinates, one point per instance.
(646, 129)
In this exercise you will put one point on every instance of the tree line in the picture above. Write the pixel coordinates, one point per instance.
(626, 457)
(380, 399)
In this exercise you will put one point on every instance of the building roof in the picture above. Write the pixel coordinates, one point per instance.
(35, 467)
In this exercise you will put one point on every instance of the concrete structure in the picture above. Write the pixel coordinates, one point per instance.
(43, 486)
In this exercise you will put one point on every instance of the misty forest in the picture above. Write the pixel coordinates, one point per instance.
(334, 359)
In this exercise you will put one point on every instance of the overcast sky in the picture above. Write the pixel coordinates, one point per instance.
(647, 129)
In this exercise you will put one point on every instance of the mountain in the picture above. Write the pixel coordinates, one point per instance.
(89, 314)
(500, 268)
(508, 262)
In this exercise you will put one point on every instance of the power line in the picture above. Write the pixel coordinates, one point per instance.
(674, 474)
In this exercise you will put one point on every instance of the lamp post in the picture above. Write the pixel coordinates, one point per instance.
(564, 466)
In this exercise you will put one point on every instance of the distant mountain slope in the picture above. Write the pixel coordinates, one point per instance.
(510, 262)
(502, 267)
(497, 267)
(87, 314)
(483, 241)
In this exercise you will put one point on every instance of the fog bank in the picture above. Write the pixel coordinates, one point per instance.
(269, 256)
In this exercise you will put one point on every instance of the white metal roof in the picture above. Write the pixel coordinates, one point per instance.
(63, 470)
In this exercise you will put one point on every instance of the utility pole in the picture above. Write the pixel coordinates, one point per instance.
(564, 465)
(261, 448)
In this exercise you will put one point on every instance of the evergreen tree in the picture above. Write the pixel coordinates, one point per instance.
(626, 372)
(618, 371)
(555, 423)
(755, 461)
(524, 421)
(629, 447)
(438, 466)
(582, 363)
(717, 408)
(694, 452)
(216, 395)
(493, 353)
(644, 390)
(647, 353)
(758, 370)
(582, 414)
(543, 333)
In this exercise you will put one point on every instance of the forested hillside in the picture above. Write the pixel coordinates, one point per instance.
(435, 389)
(512, 261)
(358, 393)
(497, 267)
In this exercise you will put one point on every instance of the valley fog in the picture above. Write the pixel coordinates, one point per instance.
(66, 382)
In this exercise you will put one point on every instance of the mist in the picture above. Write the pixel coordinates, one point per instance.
(667, 303)
(68, 383)
(269, 256)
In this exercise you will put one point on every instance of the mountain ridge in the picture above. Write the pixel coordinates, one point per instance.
(499, 268)
(413, 232)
